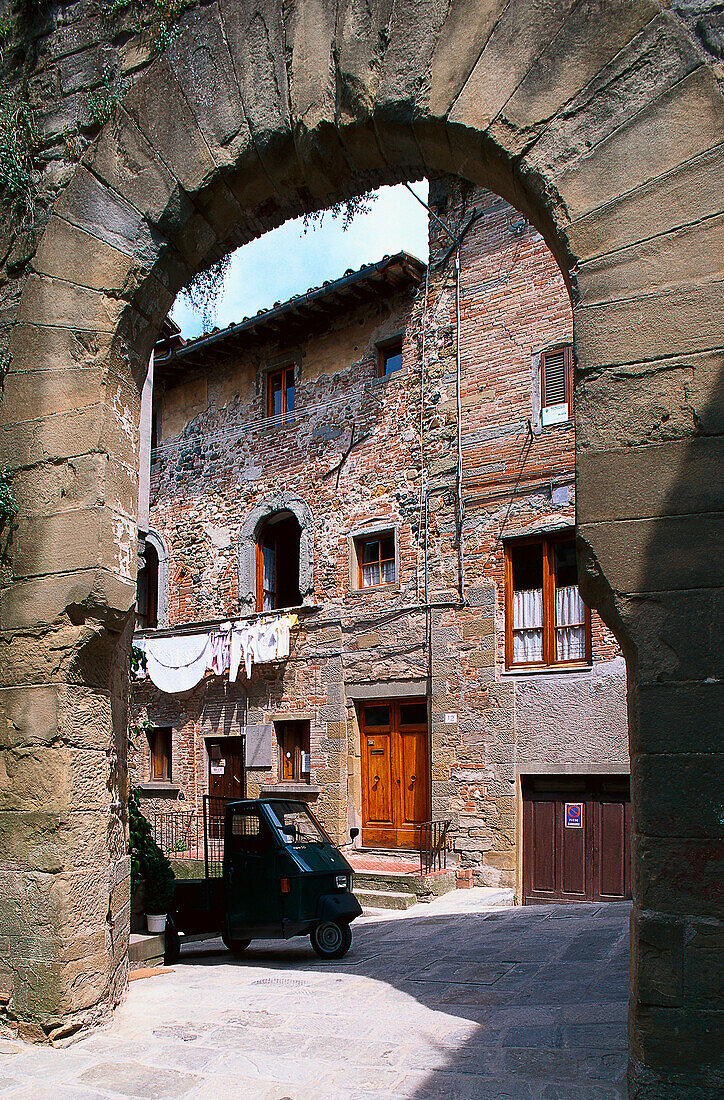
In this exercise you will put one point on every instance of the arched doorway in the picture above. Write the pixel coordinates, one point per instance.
(604, 125)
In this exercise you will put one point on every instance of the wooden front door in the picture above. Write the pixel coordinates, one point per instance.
(576, 839)
(395, 784)
(226, 777)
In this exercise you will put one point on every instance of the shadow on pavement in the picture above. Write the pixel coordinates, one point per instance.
(525, 1003)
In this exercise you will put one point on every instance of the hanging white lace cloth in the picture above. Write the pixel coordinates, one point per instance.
(570, 628)
(528, 625)
(178, 663)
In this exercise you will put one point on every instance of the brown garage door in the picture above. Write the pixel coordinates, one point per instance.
(576, 839)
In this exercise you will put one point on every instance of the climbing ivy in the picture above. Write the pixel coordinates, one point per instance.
(156, 20)
(148, 863)
(103, 101)
(8, 503)
(18, 140)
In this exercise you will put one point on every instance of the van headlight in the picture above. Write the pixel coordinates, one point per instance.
(342, 882)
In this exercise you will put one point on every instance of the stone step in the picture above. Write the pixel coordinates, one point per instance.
(424, 887)
(385, 899)
(145, 951)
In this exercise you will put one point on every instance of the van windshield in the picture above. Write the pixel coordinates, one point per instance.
(295, 824)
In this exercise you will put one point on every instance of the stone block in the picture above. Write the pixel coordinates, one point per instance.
(67, 541)
(466, 28)
(676, 718)
(509, 51)
(686, 255)
(680, 321)
(653, 555)
(68, 252)
(49, 301)
(92, 206)
(43, 600)
(590, 37)
(657, 785)
(203, 67)
(683, 196)
(663, 137)
(657, 960)
(651, 402)
(170, 127)
(30, 716)
(679, 1049)
(678, 876)
(703, 964)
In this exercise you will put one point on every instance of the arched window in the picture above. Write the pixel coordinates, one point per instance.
(152, 584)
(276, 547)
(277, 562)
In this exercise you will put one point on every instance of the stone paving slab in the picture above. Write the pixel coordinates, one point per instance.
(458, 1002)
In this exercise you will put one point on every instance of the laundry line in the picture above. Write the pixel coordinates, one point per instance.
(178, 662)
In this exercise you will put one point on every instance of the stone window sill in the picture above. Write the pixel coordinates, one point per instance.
(289, 788)
(159, 789)
(547, 670)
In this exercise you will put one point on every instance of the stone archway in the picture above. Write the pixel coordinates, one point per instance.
(603, 122)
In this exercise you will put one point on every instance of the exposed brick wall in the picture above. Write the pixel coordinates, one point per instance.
(225, 460)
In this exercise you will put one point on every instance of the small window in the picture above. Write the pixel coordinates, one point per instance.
(547, 622)
(293, 741)
(390, 357)
(277, 563)
(159, 743)
(280, 394)
(556, 370)
(245, 824)
(147, 589)
(377, 715)
(413, 714)
(375, 560)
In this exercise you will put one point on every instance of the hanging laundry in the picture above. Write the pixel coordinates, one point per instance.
(178, 663)
(221, 649)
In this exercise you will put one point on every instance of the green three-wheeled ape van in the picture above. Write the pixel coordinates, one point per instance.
(282, 877)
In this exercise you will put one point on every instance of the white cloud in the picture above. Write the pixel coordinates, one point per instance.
(287, 261)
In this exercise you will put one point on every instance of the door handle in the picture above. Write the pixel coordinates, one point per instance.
(413, 778)
(376, 780)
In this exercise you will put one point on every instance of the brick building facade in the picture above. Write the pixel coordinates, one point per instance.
(401, 441)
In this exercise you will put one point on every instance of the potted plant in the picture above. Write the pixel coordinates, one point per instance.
(159, 882)
(150, 869)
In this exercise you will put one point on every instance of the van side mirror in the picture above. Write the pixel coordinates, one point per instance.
(353, 834)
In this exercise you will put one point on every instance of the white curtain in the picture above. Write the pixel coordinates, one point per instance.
(388, 572)
(570, 628)
(528, 625)
(269, 578)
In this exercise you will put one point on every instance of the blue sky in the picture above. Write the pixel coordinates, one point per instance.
(287, 261)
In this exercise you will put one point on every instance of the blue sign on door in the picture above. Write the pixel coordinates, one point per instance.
(574, 815)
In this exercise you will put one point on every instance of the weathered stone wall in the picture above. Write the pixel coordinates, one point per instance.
(603, 122)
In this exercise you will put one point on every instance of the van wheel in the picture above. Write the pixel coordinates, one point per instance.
(237, 947)
(331, 940)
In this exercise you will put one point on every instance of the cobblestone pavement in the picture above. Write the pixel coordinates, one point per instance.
(449, 1001)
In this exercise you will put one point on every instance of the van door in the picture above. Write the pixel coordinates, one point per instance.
(253, 896)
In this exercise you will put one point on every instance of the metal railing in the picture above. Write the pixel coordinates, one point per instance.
(433, 845)
(190, 835)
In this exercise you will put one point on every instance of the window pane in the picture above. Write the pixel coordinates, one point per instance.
(276, 394)
(571, 643)
(527, 564)
(388, 546)
(388, 572)
(392, 360)
(371, 551)
(370, 575)
(566, 566)
(290, 391)
(413, 714)
(377, 716)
